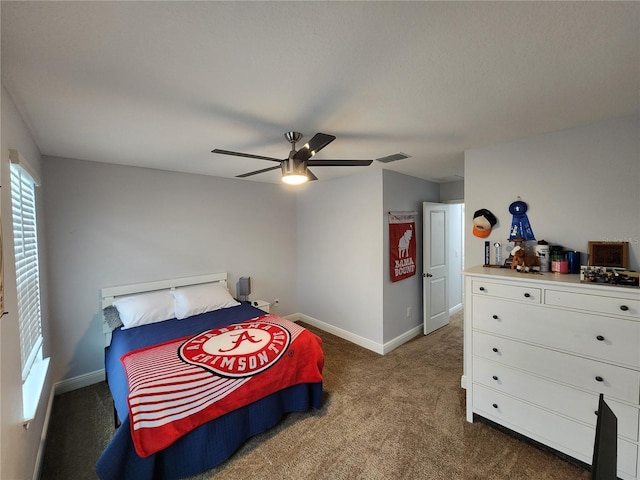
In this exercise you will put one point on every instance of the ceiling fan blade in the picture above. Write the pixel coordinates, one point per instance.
(311, 175)
(257, 172)
(339, 163)
(248, 155)
(317, 143)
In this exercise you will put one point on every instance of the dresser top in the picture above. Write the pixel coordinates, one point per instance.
(564, 279)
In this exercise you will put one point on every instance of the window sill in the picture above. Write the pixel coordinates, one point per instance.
(32, 391)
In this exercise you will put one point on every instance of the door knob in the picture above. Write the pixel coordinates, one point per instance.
(428, 275)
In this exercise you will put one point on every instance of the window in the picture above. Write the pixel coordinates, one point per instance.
(25, 238)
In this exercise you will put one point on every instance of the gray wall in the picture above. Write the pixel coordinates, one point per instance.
(19, 448)
(340, 251)
(580, 184)
(404, 193)
(112, 225)
(343, 242)
(452, 191)
(456, 254)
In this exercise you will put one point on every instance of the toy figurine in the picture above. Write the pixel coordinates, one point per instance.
(518, 261)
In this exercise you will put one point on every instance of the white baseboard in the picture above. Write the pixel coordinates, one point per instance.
(456, 309)
(339, 332)
(404, 338)
(381, 349)
(80, 381)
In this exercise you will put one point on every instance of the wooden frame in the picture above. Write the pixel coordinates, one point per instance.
(609, 254)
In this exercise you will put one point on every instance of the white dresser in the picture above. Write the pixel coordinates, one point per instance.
(539, 348)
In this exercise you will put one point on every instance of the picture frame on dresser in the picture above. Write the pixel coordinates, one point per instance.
(609, 254)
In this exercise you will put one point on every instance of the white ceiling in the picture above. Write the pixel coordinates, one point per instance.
(160, 84)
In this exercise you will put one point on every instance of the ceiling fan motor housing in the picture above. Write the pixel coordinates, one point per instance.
(292, 166)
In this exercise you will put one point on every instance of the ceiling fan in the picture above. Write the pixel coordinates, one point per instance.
(295, 168)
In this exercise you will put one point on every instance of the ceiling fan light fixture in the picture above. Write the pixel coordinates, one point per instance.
(294, 179)
(294, 172)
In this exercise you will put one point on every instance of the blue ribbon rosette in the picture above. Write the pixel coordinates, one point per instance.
(520, 226)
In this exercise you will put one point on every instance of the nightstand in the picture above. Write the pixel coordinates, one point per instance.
(261, 304)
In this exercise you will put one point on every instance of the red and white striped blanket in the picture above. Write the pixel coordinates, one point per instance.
(177, 386)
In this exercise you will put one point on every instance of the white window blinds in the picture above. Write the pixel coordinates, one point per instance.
(23, 206)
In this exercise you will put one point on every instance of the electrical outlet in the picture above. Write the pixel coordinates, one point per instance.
(408, 312)
(276, 302)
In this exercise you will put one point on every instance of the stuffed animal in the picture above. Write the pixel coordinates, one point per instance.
(518, 261)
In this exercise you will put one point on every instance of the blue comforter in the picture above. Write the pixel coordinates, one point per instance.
(208, 445)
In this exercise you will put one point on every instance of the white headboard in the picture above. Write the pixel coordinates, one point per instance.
(109, 294)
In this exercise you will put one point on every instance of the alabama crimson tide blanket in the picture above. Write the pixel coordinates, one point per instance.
(177, 386)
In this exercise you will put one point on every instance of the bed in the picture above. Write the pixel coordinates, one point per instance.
(254, 388)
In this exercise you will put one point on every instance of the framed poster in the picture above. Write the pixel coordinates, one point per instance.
(609, 254)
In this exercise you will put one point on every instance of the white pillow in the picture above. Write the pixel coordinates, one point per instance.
(145, 308)
(197, 299)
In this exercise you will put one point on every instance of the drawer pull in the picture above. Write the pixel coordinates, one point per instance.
(495, 317)
(481, 289)
(527, 295)
(495, 349)
(495, 405)
(495, 377)
(599, 379)
(624, 308)
(600, 338)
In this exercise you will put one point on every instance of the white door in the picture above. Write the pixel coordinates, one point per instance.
(435, 283)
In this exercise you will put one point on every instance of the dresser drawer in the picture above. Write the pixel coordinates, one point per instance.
(510, 292)
(573, 438)
(626, 307)
(616, 382)
(605, 338)
(557, 397)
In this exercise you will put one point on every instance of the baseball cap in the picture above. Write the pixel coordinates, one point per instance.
(483, 222)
